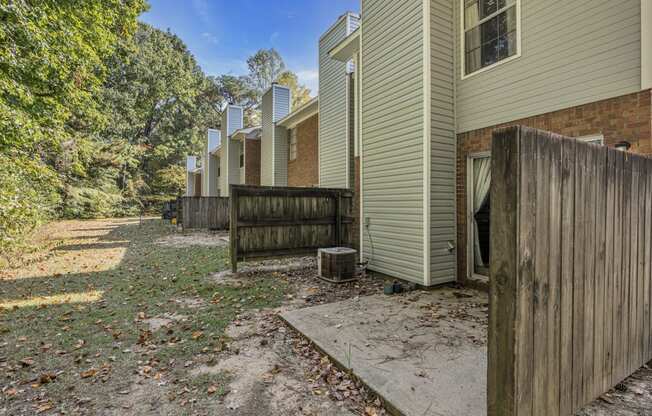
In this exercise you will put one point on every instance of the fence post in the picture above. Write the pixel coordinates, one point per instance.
(501, 376)
(233, 231)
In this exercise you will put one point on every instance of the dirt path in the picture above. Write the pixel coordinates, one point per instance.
(115, 317)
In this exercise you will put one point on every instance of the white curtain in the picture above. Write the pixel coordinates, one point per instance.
(481, 186)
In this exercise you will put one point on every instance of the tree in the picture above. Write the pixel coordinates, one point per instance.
(300, 93)
(52, 66)
(159, 104)
(236, 90)
(52, 63)
(265, 66)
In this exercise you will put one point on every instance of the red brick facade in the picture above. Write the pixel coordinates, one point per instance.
(627, 118)
(252, 162)
(304, 170)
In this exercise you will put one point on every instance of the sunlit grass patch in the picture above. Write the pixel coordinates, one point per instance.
(62, 299)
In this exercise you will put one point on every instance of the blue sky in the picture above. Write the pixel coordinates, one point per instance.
(222, 34)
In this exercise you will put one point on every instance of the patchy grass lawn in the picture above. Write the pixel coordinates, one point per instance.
(110, 306)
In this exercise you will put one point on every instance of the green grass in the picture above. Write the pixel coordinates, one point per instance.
(148, 281)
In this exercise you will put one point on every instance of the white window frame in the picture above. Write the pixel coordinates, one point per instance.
(463, 41)
(293, 145)
(470, 253)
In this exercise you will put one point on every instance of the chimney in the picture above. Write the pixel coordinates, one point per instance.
(232, 121)
(214, 138)
(276, 105)
(191, 163)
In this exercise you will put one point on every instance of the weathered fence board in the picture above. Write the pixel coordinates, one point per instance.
(274, 221)
(211, 213)
(571, 273)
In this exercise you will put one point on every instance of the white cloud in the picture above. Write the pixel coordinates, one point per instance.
(202, 9)
(211, 38)
(310, 78)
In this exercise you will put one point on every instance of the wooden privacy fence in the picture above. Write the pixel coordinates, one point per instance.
(271, 222)
(570, 272)
(210, 213)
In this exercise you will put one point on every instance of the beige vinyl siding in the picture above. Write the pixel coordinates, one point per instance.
(573, 53)
(332, 109)
(282, 154)
(224, 152)
(232, 120)
(234, 161)
(443, 263)
(393, 137)
(282, 102)
(267, 145)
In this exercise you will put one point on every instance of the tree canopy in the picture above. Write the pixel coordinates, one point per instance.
(52, 67)
(98, 111)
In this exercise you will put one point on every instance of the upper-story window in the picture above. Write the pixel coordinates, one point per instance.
(491, 33)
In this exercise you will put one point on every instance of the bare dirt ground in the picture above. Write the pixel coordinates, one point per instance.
(115, 317)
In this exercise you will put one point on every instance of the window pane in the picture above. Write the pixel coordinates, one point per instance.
(494, 40)
(490, 30)
(507, 21)
(490, 53)
(473, 61)
(471, 14)
(472, 39)
(488, 7)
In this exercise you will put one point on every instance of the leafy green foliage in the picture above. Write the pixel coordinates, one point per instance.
(98, 111)
(51, 69)
(159, 105)
(170, 180)
(28, 191)
(265, 67)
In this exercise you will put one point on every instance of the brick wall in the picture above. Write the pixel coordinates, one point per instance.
(623, 118)
(252, 162)
(304, 170)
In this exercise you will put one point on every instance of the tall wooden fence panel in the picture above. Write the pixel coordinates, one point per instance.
(210, 213)
(273, 221)
(570, 272)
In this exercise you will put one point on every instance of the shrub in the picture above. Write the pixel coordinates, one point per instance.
(29, 193)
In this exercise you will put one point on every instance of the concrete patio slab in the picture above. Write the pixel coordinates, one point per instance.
(424, 352)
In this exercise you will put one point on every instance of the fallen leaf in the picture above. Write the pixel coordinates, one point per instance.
(212, 389)
(197, 334)
(26, 362)
(46, 378)
(88, 373)
(370, 411)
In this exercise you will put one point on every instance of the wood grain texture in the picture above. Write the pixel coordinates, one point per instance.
(571, 278)
(210, 213)
(504, 267)
(278, 221)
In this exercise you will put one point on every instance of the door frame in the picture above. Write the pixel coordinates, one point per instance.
(470, 252)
